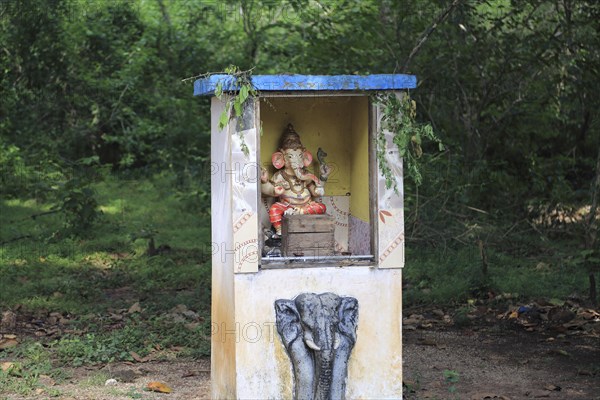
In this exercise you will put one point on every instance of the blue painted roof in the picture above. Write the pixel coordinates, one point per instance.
(292, 83)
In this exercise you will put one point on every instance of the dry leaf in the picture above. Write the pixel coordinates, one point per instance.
(585, 372)
(135, 308)
(538, 394)
(553, 388)
(427, 342)
(179, 308)
(488, 396)
(46, 380)
(192, 326)
(137, 357)
(158, 387)
(116, 317)
(7, 343)
(9, 321)
(7, 366)
(559, 352)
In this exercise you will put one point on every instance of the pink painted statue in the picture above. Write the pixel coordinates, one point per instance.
(293, 184)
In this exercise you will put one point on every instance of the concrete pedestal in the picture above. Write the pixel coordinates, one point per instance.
(260, 367)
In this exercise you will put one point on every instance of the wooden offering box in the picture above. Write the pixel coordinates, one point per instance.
(307, 235)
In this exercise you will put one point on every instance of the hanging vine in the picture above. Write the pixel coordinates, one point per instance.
(238, 88)
(399, 118)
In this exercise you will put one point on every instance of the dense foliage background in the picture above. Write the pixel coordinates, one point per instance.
(510, 86)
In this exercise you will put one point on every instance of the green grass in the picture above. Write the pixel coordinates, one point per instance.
(103, 272)
(70, 274)
(26, 376)
(93, 279)
(452, 276)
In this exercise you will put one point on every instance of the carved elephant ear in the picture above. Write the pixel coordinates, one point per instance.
(348, 315)
(287, 320)
(278, 159)
(307, 158)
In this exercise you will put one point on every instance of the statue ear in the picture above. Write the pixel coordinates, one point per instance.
(278, 159)
(287, 320)
(307, 158)
(348, 317)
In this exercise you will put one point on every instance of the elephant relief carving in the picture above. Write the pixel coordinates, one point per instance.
(318, 332)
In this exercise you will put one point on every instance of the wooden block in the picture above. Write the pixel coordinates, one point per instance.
(323, 240)
(308, 223)
(307, 235)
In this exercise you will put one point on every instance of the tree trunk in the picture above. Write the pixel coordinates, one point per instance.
(593, 292)
(591, 233)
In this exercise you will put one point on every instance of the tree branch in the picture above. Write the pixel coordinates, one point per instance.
(428, 33)
(165, 13)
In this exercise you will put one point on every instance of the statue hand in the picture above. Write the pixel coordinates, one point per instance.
(290, 211)
(264, 175)
(279, 190)
(319, 191)
(285, 185)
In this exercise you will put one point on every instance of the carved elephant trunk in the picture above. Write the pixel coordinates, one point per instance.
(324, 373)
(306, 176)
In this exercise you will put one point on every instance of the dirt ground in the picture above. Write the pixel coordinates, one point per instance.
(489, 362)
(500, 363)
(534, 351)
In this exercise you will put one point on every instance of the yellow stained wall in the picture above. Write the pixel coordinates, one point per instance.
(337, 124)
(321, 122)
(359, 178)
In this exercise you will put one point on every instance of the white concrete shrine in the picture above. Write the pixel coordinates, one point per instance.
(336, 113)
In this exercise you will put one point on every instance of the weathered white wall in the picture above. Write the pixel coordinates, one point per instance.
(248, 358)
(263, 368)
(222, 308)
(389, 221)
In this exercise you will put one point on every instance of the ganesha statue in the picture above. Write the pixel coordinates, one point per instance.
(294, 186)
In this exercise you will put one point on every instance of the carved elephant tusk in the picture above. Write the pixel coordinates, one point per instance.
(310, 342)
(336, 341)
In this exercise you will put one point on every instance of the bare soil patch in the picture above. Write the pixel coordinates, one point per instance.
(495, 363)
(188, 379)
(490, 363)
(532, 352)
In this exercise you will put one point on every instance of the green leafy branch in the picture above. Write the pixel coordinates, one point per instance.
(238, 91)
(399, 118)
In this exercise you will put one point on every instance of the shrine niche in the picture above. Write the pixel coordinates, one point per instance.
(336, 129)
